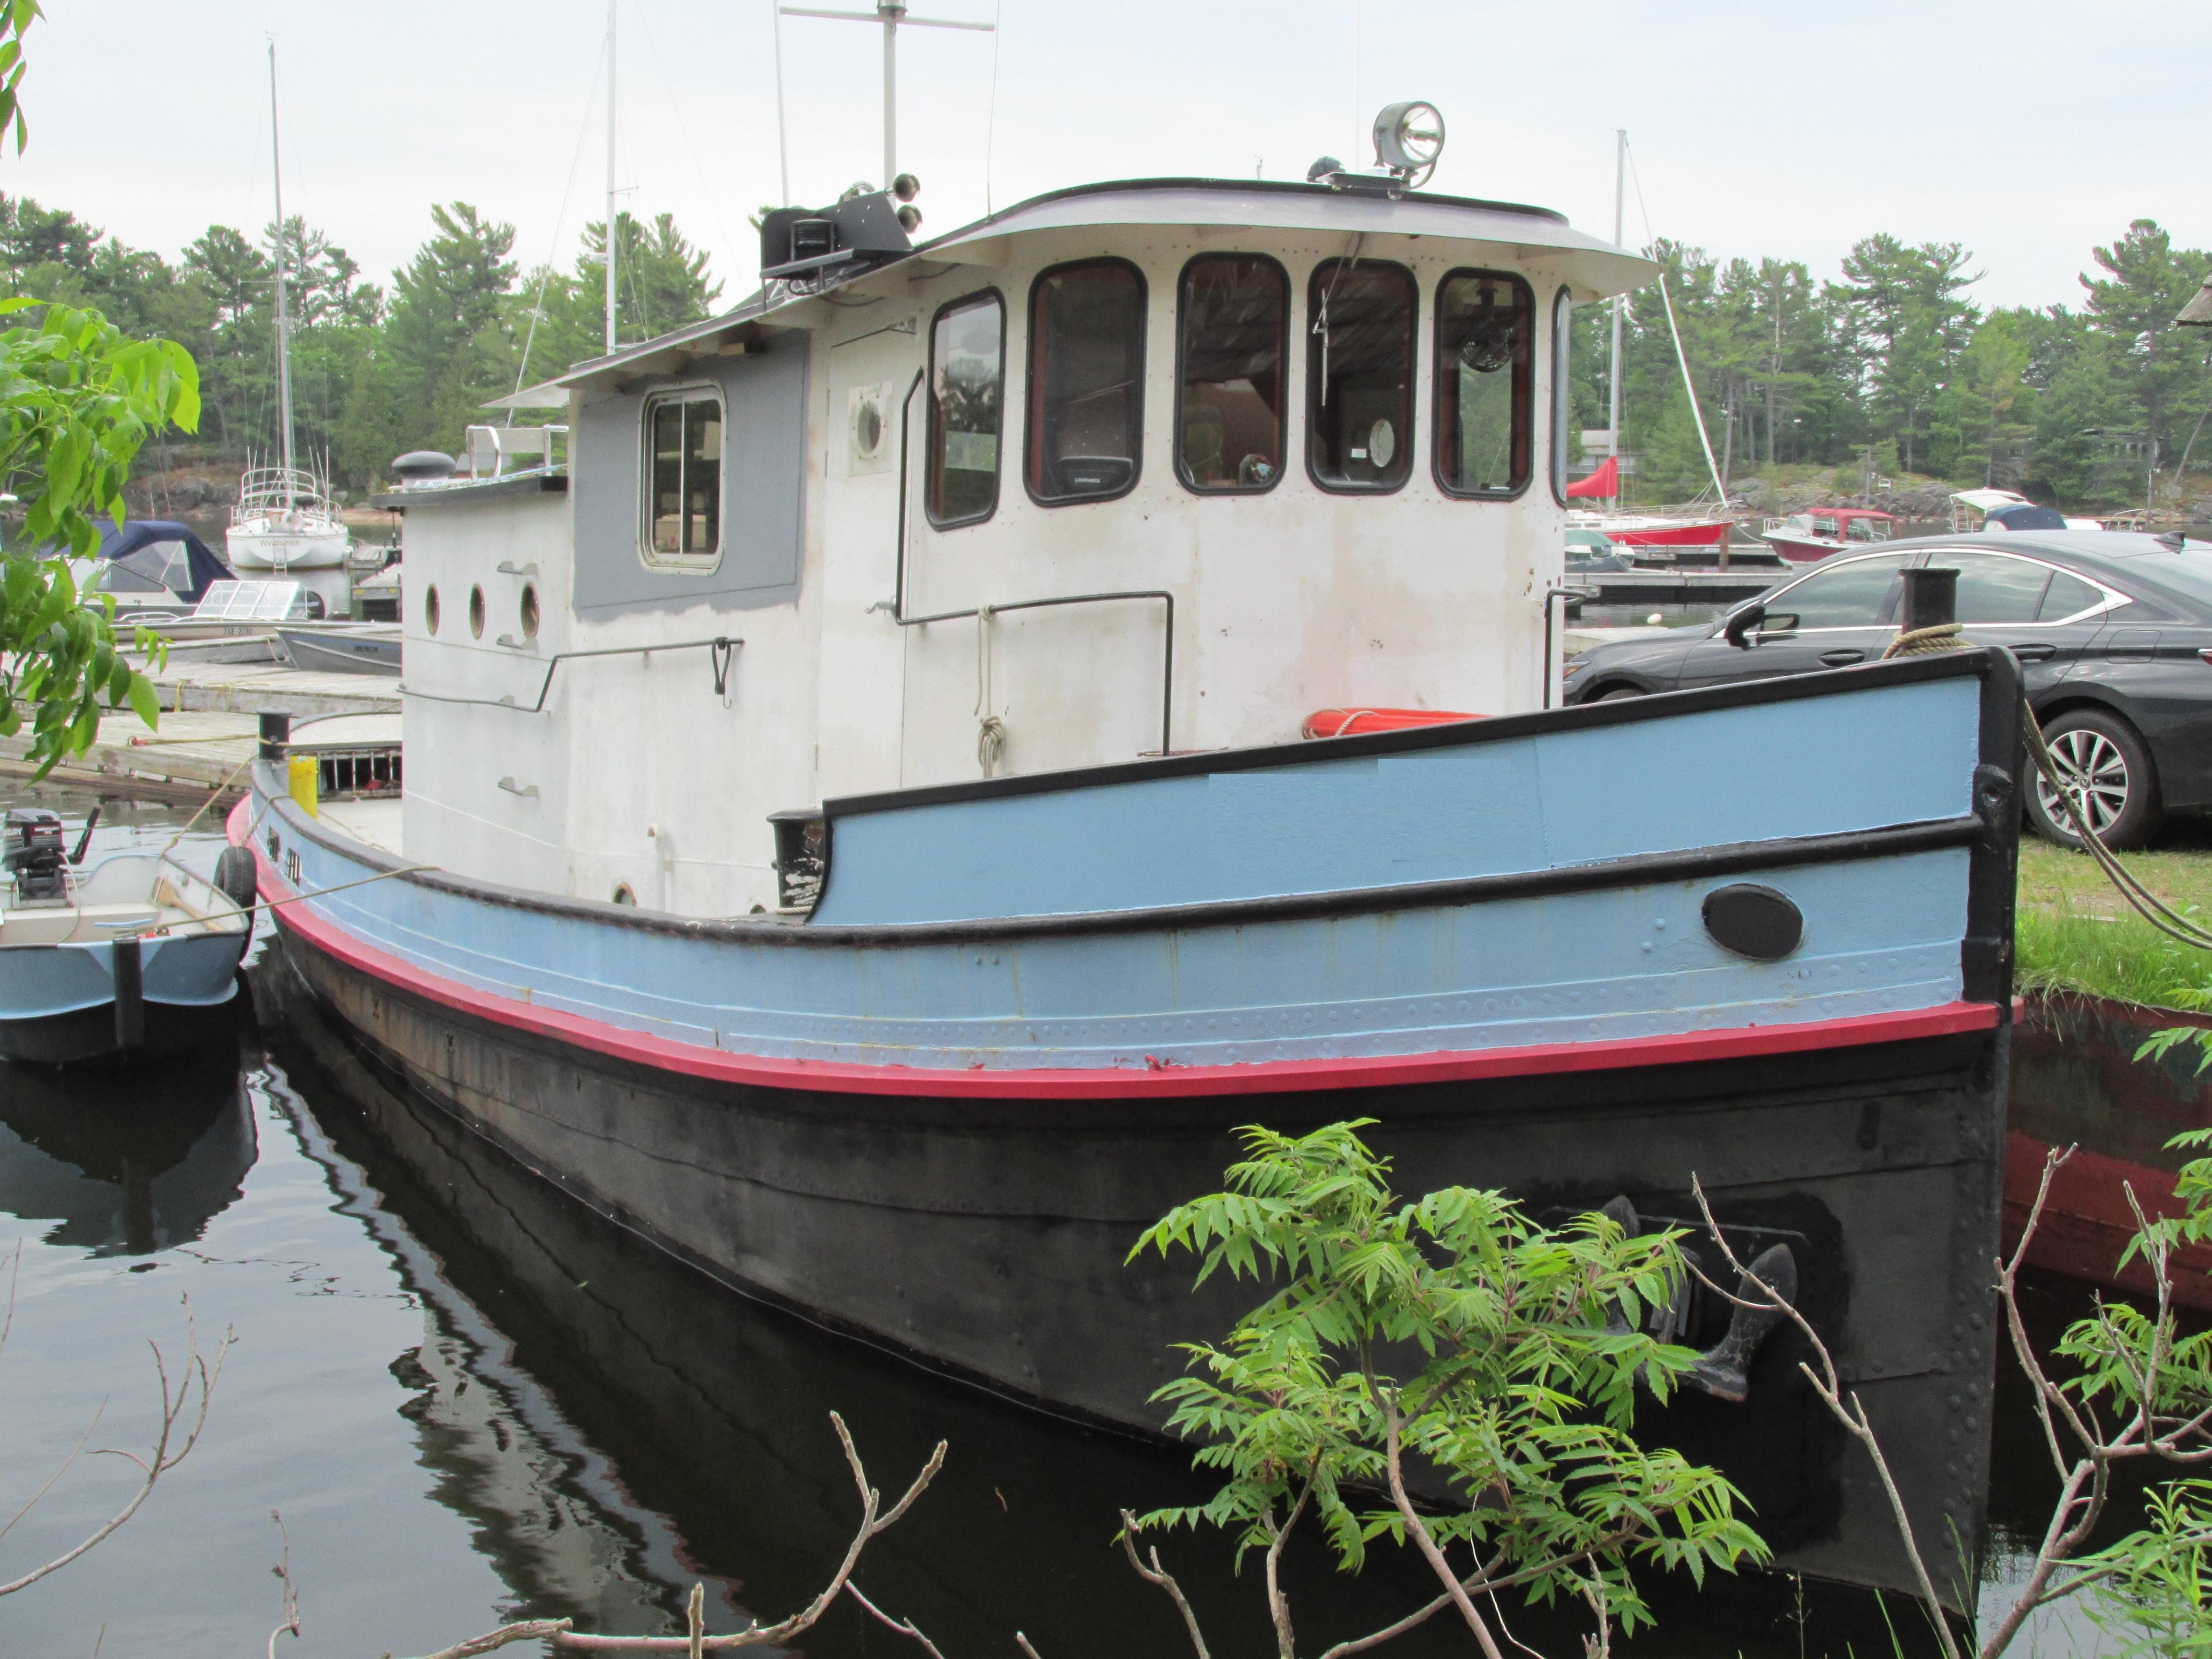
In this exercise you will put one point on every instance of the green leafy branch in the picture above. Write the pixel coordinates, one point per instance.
(78, 398)
(1522, 1365)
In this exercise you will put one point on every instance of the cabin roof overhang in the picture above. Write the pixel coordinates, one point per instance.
(1532, 233)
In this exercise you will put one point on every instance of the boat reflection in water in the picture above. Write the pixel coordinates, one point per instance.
(617, 1426)
(121, 1166)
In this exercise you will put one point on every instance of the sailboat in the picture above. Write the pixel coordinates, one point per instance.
(284, 519)
(1656, 533)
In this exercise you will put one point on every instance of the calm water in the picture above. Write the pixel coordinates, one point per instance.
(470, 1401)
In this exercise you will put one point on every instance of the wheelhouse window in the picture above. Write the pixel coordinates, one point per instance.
(1086, 382)
(1359, 379)
(683, 509)
(1563, 353)
(1234, 315)
(967, 384)
(1485, 328)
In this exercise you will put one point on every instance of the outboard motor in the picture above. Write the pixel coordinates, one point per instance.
(36, 862)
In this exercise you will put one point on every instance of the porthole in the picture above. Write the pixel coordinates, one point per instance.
(623, 896)
(476, 612)
(430, 610)
(529, 611)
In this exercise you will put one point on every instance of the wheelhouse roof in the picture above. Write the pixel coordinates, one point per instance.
(1259, 204)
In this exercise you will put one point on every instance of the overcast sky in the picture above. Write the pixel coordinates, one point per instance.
(2027, 131)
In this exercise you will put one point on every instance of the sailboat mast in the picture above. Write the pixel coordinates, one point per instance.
(1613, 379)
(611, 176)
(284, 323)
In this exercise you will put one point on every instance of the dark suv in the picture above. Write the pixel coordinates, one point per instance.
(2113, 631)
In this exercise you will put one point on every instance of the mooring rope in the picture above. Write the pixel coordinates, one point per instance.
(1946, 636)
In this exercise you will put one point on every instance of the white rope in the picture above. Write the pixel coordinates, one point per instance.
(991, 730)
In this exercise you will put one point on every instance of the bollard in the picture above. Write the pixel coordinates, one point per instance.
(275, 732)
(1931, 599)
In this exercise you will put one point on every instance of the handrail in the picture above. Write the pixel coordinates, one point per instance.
(724, 646)
(897, 606)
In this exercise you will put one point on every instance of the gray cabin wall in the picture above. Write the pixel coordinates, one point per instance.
(763, 491)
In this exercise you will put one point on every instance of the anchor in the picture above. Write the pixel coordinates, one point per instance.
(1723, 1369)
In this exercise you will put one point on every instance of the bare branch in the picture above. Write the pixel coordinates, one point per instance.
(530, 1630)
(1395, 1466)
(196, 1375)
(1160, 1576)
(1851, 1414)
(872, 1522)
(291, 1603)
(904, 1627)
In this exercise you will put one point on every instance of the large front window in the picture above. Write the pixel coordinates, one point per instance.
(1486, 329)
(1086, 382)
(1234, 319)
(1359, 358)
(684, 510)
(966, 375)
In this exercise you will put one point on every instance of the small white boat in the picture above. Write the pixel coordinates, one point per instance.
(285, 520)
(136, 956)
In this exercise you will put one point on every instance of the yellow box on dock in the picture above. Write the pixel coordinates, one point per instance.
(306, 778)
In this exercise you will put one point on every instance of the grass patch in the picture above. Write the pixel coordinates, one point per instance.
(2074, 932)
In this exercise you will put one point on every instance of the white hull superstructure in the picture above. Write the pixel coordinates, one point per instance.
(284, 520)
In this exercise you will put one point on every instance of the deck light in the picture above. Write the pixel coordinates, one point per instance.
(1409, 137)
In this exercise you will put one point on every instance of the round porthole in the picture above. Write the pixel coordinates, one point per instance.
(430, 609)
(1753, 921)
(623, 896)
(476, 612)
(529, 611)
(1382, 444)
(868, 429)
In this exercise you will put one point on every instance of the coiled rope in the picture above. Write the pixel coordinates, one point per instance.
(1926, 641)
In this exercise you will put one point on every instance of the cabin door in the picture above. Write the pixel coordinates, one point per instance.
(862, 650)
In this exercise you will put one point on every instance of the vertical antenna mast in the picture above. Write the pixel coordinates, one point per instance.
(1620, 205)
(890, 14)
(283, 325)
(890, 11)
(610, 176)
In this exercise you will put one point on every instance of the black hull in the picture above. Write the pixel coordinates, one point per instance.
(984, 1238)
(89, 1034)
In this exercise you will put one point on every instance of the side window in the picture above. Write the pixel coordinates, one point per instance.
(1862, 593)
(1233, 317)
(1086, 382)
(1485, 347)
(1359, 375)
(2068, 596)
(684, 472)
(1563, 339)
(967, 378)
(1995, 588)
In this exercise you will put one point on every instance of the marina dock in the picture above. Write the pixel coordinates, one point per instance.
(1705, 587)
(209, 722)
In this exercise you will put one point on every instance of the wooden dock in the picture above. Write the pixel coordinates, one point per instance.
(209, 726)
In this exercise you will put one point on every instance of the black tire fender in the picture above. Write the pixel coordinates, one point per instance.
(234, 877)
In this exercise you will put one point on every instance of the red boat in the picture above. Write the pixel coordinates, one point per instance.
(1809, 538)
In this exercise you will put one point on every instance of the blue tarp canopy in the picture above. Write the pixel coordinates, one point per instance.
(2027, 517)
(165, 554)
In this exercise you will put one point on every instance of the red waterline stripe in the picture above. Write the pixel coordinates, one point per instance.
(1041, 1082)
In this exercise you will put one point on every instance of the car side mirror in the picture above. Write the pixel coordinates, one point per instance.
(1740, 622)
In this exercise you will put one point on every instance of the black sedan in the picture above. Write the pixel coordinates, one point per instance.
(2113, 631)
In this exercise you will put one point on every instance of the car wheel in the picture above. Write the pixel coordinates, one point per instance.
(2108, 772)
